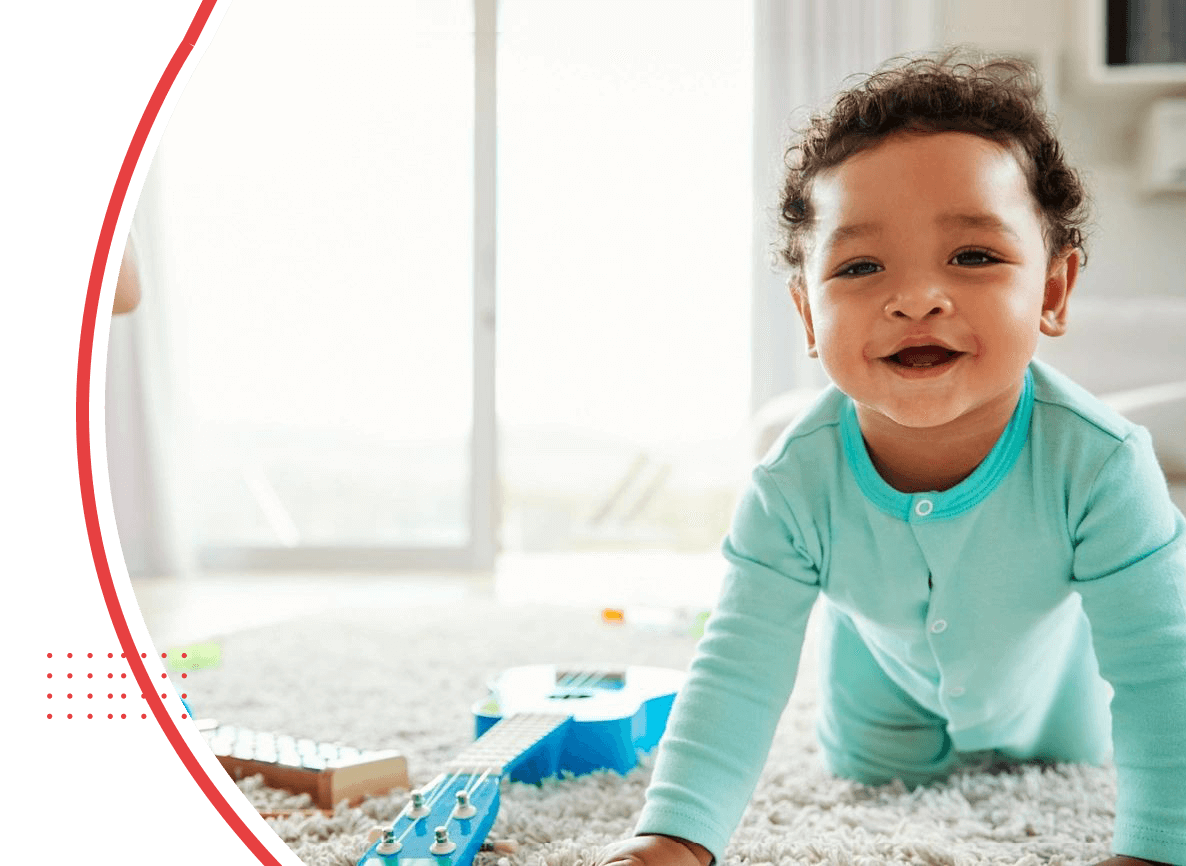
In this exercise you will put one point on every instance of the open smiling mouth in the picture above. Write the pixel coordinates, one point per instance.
(921, 357)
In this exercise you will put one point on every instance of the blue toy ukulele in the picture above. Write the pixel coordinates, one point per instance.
(539, 721)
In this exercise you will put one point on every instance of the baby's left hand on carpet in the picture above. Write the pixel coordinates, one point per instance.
(1121, 860)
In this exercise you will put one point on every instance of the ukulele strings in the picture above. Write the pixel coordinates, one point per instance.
(437, 787)
(406, 811)
(589, 679)
(472, 787)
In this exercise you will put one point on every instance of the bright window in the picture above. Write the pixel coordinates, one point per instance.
(319, 195)
(319, 201)
(624, 270)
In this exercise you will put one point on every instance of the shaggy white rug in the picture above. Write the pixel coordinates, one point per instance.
(408, 681)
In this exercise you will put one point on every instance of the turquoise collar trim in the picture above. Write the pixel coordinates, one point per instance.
(948, 503)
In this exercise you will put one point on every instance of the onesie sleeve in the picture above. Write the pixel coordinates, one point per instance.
(1130, 568)
(724, 717)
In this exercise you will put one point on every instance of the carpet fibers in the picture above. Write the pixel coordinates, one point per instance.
(407, 680)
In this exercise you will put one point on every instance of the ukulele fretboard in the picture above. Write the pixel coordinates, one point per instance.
(505, 741)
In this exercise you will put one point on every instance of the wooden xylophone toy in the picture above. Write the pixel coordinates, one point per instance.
(328, 772)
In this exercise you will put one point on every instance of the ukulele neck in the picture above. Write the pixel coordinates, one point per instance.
(505, 742)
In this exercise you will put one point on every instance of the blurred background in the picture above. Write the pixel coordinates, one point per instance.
(485, 286)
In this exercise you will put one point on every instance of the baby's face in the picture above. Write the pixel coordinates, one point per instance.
(927, 281)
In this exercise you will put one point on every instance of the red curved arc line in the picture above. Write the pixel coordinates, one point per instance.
(85, 470)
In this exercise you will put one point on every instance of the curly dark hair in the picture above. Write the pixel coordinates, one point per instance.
(957, 89)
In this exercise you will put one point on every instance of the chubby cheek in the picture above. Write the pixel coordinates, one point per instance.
(840, 339)
(1010, 332)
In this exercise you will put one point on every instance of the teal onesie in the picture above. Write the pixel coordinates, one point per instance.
(1037, 608)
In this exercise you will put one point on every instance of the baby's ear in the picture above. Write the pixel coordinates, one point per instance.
(1060, 280)
(799, 296)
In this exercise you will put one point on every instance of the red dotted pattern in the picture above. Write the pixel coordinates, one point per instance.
(110, 695)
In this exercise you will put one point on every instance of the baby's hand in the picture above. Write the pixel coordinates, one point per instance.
(653, 851)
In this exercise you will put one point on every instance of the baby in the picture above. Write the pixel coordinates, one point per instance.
(997, 559)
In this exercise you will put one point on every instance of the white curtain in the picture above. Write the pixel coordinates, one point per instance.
(142, 444)
(804, 49)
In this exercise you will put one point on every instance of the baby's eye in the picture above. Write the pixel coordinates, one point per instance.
(856, 269)
(979, 257)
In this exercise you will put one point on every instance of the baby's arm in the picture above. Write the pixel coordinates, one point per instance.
(725, 715)
(1130, 570)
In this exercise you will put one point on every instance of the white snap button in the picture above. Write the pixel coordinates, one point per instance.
(939, 625)
(923, 507)
(955, 691)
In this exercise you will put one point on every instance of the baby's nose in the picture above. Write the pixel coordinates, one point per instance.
(918, 304)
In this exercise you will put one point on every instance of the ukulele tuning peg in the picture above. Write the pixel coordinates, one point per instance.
(419, 809)
(389, 845)
(442, 844)
(464, 808)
